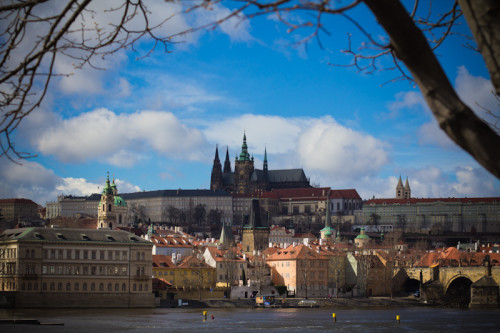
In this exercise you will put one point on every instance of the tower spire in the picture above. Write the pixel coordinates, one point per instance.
(265, 159)
(244, 155)
(227, 162)
(216, 182)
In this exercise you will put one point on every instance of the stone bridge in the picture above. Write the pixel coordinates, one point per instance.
(447, 275)
(471, 285)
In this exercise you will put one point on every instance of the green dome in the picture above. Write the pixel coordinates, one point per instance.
(362, 237)
(120, 202)
(107, 190)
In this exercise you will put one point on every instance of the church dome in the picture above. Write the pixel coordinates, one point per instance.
(120, 202)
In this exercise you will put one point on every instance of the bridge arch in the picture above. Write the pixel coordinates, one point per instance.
(457, 291)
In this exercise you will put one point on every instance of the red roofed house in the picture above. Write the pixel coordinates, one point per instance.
(302, 270)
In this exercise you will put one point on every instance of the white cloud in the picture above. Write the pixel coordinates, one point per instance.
(277, 133)
(117, 138)
(317, 144)
(431, 134)
(407, 100)
(332, 148)
(476, 92)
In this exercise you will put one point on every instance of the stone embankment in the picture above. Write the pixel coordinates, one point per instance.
(323, 303)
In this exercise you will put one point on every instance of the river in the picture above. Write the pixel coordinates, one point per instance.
(413, 319)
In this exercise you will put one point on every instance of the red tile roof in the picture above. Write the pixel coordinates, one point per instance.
(412, 201)
(453, 257)
(295, 253)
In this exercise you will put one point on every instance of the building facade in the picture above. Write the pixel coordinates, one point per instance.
(15, 209)
(51, 267)
(435, 215)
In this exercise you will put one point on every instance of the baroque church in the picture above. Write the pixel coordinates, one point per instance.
(246, 179)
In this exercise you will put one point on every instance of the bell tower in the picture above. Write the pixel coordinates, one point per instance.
(243, 169)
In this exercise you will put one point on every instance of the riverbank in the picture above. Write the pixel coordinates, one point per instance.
(323, 303)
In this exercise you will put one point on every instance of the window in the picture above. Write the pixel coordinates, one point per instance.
(124, 255)
(52, 269)
(68, 286)
(135, 287)
(44, 286)
(101, 270)
(124, 287)
(85, 254)
(60, 254)
(110, 255)
(140, 287)
(27, 255)
(94, 255)
(116, 270)
(101, 286)
(110, 287)
(84, 286)
(68, 254)
(295, 209)
(124, 270)
(59, 286)
(77, 287)
(52, 254)
(101, 255)
(44, 269)
(77, 254)
(92, 286)
(117, 287)
(59, 270)
(52, 286)
(138, 256)
(68, 269)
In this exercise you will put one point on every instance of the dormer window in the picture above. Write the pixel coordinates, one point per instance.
(110, 238)
(60, 236)
(85, 237)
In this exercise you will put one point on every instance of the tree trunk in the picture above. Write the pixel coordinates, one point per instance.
(483, 18)
(455, 118)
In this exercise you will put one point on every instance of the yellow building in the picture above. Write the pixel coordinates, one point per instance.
(75, 268)
(189, 277)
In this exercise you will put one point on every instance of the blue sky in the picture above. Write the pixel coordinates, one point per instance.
(154, 122)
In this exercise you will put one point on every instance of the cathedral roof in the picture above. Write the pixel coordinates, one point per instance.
(279, 176)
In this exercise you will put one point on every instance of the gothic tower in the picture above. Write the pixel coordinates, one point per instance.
(255, 235)
(243, 170)
(400, 189)
(227, 162)
(216, 179)
(407, 190)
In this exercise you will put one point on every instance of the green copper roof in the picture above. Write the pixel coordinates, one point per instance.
(107, 189)
(362, 237)
(244, 155)
(120, 202)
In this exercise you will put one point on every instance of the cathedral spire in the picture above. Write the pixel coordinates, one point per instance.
(227, 162)
(216, 182)
(400, 189)
(244, 155)
(265, 159)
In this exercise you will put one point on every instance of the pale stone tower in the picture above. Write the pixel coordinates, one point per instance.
(407, 191)
(400, 190)
(112, 208)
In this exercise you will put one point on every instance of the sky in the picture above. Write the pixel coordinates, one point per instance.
(153, 122)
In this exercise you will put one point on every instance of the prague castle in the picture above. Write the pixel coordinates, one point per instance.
(247, 179)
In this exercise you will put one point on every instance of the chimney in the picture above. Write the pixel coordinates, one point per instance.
(174, 258)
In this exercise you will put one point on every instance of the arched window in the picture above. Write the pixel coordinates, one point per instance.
(140, 287)
(109, 207)
(92, 286)
(124, 287)
(77, 287)
(110, 287)
(68, 286)
(84, 287)
(101, 287)
(59, 286)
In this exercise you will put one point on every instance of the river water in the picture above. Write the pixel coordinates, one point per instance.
(413, 319)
